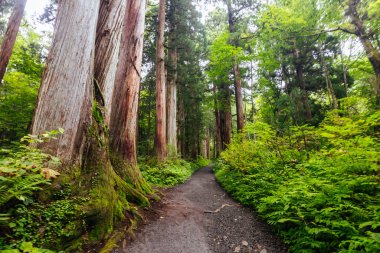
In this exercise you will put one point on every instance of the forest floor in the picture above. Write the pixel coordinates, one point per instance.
(198, 217)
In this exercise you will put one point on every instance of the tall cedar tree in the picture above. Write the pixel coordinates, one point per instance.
(10, 36)
(171, 113)
(108, 42)
(66, 100)
(160, 138)
(123, 125)
(236, 69)
(65, 95)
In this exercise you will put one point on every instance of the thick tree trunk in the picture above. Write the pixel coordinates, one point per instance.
(66, 100)
(239, 99)
(301, 84)
(171, 113)
(10, 36)
(236, 70)
(181, 128)
(65, 95)
(208, 147)
(108, 38)
(150, 109)
(160, 138)
(123, 120)
(218, 135)
(373, 53)
(225, 117)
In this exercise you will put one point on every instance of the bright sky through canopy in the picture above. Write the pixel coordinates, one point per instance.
(35, 7)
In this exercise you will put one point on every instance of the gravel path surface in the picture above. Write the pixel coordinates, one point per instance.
(199, 217)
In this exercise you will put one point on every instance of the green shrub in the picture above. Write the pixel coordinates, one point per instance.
(171, 172)
(319, 187)
(200, 162)
(26, 247)
(27, 220)
(25, 171)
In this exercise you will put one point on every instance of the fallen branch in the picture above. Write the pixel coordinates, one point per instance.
(218, 210)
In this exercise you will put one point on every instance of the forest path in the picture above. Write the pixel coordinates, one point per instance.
(198, 217)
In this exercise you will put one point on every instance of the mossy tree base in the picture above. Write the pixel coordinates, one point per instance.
(113, 190)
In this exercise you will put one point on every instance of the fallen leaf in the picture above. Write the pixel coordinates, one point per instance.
(49, 173)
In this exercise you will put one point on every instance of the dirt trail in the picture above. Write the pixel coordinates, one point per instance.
(199, 217)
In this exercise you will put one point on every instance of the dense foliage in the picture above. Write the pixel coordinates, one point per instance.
(172, 172)
(319, 187)
(27, 217)
(21, 82)
(307, 158)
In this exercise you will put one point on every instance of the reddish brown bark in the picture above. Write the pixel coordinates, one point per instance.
(108, 38)
(301, 84)
(160, 138)
(123, 121)
(181, 130)
(65, 96)
(218, 137)
(10, 36)
(171, 113)
(225, 117)
(208, 147)
(236, 71)
(238, 98)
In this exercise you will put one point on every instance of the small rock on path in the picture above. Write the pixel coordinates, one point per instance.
(199, 217)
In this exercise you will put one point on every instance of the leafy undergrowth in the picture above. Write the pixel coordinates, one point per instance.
(318, 187)
(171, 172)
(38, 213)
(25, 218)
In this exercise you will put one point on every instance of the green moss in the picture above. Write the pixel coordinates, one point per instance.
(130, 173)
(82, 206)
(112, 242)
(110, 195)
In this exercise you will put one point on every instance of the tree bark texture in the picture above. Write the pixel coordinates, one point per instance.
(65, 95)
(10, 36)
(108, 38)
(181, 129)
(236, 71)
(373, 53)
(160, 138)
(208, 147)
(301, 84)
(218, 136)
(171, 113)
(238, 98)
(225, 117)
(125, 101)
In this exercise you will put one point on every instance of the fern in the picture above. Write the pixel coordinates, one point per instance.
(318, 186)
